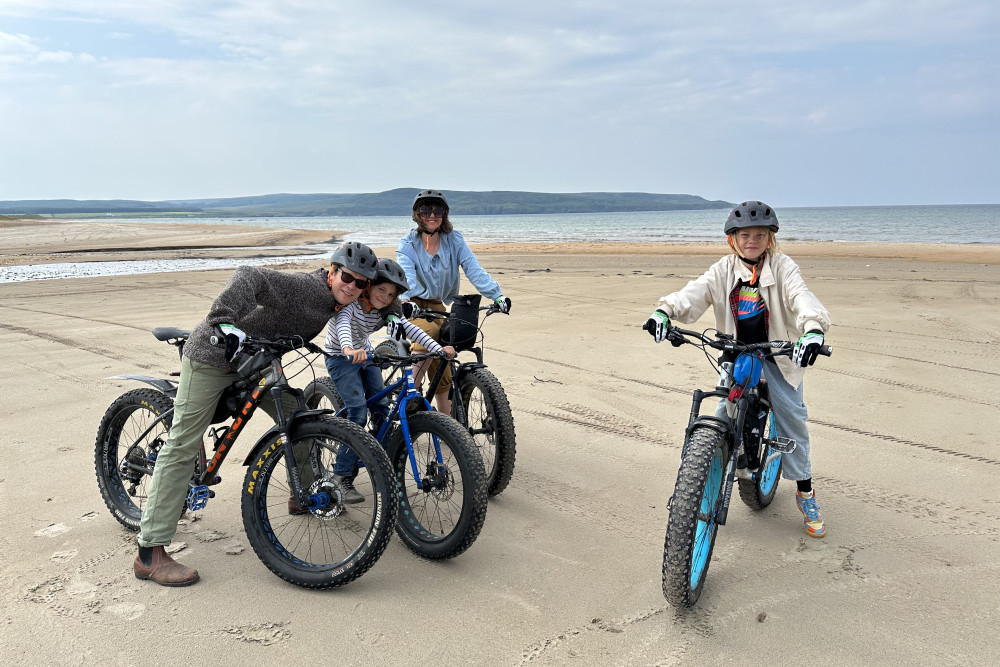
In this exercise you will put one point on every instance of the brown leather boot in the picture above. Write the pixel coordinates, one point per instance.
(164, 570)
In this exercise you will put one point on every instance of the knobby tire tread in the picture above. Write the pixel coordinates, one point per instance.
(319, 576)
(122, 508)
(470, 467)
(681, 526)
(504, 438)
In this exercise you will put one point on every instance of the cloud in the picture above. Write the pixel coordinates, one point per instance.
(518, 94)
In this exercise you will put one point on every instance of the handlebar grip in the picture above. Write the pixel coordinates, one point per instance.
(216, 341)
(825, 350)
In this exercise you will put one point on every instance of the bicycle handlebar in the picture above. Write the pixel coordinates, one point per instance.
(726, 343)
(430, 314)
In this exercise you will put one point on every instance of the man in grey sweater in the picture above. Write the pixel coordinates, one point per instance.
(259, 303)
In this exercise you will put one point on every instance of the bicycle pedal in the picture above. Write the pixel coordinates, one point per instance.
(198, 497)
(781, 444)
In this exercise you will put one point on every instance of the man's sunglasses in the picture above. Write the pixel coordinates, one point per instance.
(347, 279)
(427, 210)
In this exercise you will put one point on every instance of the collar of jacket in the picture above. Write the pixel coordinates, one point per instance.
(765, 275)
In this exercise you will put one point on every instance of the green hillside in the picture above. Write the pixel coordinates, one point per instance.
(390, 202)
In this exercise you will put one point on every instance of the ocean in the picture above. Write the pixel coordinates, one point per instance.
(972, 223)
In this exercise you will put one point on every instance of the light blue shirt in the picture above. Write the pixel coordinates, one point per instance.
(436, 276)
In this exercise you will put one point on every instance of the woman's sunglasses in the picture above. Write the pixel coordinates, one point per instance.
(347, 279)
(427, 210)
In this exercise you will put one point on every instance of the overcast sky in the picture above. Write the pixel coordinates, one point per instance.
(798, 103)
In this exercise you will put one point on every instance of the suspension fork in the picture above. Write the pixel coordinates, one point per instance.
(410, 393)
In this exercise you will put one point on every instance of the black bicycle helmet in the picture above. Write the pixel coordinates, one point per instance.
(751, 214)
(388, 271)
(427, 197)
(356, 258)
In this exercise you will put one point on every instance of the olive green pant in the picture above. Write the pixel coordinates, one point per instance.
(198, 392)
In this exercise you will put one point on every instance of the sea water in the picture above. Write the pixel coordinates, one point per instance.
(857, 224)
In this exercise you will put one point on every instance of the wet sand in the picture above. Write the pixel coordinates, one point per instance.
(567, 568)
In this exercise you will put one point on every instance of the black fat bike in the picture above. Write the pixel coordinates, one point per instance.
(744, 446)
(292, 506)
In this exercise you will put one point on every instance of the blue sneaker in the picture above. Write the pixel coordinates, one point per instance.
(814, 524)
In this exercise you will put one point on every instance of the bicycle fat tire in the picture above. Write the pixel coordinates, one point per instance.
(490, 424)
(322, 393)
(690, 539)
(759, 492)
(332, 544)
(128, 416)
(441, 522)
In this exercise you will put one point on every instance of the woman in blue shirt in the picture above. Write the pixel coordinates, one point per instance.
(431, 256)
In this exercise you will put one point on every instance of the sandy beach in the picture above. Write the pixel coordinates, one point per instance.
(567, 568)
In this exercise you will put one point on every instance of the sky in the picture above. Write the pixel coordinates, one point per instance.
(876, 102)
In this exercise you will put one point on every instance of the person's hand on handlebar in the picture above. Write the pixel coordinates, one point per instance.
(807, 348)
(503, 304)
(658, 325)
(234, 337)
(410, 310)
(356, 356)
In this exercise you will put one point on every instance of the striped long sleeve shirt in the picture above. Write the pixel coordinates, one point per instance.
(352, 326)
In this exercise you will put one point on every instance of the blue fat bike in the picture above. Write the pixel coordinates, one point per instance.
(293, 506)
(478, 400)
(743, 446)
(439, 473)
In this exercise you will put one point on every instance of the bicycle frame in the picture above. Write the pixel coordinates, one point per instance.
(407, 392)
(273, 382)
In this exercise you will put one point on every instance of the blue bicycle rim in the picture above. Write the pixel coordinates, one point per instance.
(769, 475)
(705, 530)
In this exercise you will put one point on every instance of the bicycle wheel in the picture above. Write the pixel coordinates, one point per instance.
(442, 518)
(691, 528)
(130, 436)
(332, 543)
(757, 493)
(322, 394)
(490, 424)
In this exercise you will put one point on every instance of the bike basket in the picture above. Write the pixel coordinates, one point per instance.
(462, 326)
(747, 369)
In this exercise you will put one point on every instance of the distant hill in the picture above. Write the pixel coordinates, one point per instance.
(390, 202)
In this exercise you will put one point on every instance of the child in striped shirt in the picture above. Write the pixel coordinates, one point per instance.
(354, 376)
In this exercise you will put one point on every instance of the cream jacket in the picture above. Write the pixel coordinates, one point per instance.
(792, 308)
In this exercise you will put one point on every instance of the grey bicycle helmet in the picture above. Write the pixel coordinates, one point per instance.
(427, 196)
(356, 258)
(388, 271)
(751, 214)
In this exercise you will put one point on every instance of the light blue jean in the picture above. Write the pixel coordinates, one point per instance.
(356, 383)
(789, 421)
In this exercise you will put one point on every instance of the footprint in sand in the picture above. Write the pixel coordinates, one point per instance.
(126, 611)
(64, 556)
(52, 530)
(78, 588)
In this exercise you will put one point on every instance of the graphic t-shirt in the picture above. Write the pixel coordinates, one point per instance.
(751, 314)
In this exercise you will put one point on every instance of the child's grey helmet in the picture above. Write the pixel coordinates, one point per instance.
(389, 271)
(751, 214)
(356, 258)
(425, 195)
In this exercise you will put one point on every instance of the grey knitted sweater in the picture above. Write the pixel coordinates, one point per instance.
(268, 304)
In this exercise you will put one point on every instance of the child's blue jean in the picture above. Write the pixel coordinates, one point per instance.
(789, 421)
(356, 383)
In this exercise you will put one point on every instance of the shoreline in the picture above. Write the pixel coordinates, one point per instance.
(33, 242)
